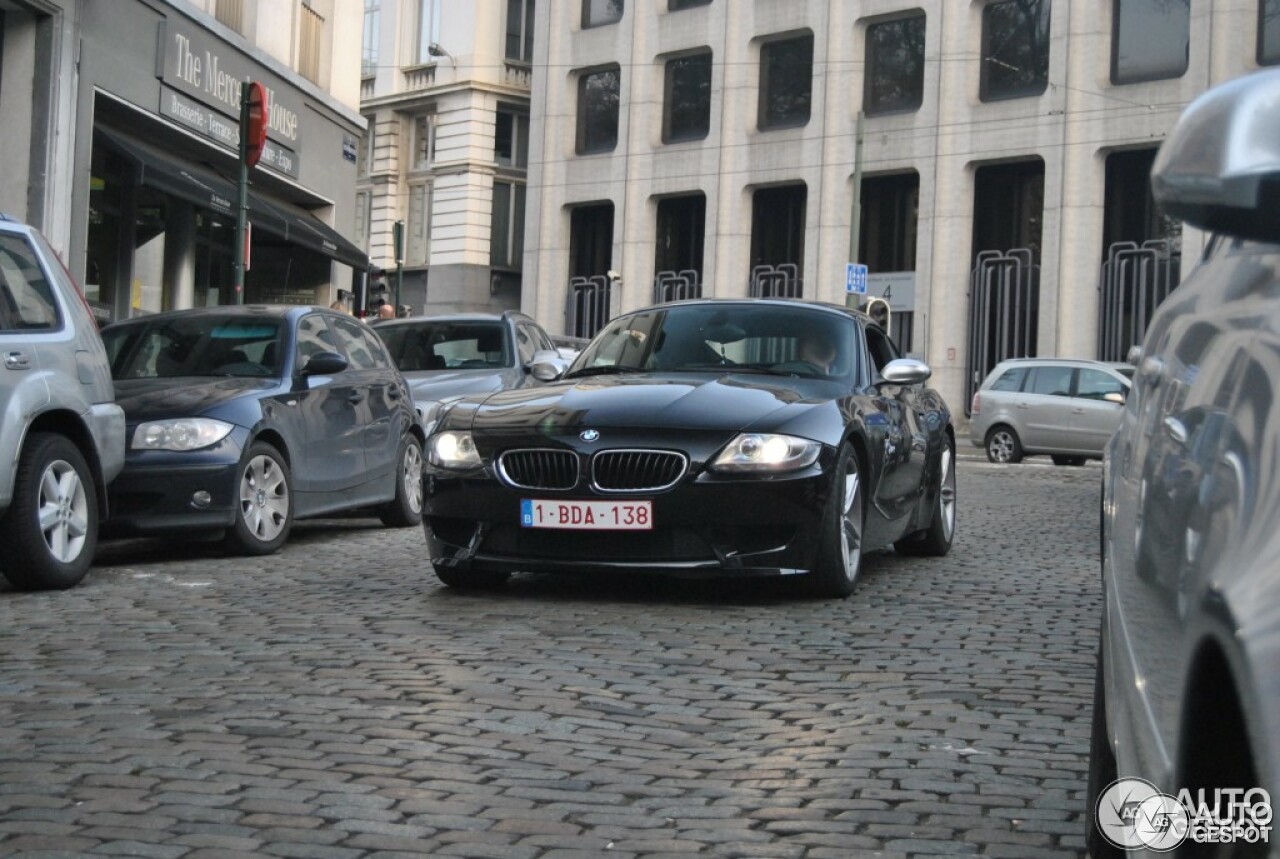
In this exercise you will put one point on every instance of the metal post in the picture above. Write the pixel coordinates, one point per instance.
(242, 203)
(397, 236)
(855, 217)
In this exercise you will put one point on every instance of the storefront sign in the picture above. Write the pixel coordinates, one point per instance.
(223, 129)
(202, 73)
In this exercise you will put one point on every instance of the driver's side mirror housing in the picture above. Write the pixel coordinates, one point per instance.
(1114, 397)
(546, 365)
(324, 364)
(906, 371)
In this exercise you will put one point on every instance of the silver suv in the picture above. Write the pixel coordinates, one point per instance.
(1063, 407)
(61, 433)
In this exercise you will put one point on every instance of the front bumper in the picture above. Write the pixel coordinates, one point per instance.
(705, 526)
(155, 493)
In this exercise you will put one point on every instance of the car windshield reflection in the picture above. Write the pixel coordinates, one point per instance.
(735, 339)
(195, 346)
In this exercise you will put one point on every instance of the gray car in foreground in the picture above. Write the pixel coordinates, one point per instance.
(1187, 708)
(61, 433)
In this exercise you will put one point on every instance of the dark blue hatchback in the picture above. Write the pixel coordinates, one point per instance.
(245, 418)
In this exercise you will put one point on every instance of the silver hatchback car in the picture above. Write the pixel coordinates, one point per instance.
(62, 434)
(1062, 407)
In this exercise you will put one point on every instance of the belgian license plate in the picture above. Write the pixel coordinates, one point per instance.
(587, 515)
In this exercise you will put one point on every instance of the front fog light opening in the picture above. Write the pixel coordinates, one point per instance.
(201, 499)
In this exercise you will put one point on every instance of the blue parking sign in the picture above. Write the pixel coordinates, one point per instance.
(855, 278)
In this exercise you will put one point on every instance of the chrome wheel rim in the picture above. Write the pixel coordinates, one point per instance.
(947, 493)
(412, 477)
(63, 511)
(1001, 447)
(851, 521)
(264, 498)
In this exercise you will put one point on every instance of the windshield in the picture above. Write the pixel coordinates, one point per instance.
(194, 346)
(731, 338)
(443, 345)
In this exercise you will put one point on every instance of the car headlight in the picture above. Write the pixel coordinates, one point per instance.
(180, 434)
(454, 449)
(757, 453)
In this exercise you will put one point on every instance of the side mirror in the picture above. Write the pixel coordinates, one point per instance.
(547, 365)
(906, 371)
(1114, 397)
(324, 364)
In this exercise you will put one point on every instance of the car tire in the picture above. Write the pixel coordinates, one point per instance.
(1003, 445)
(1074, 461)
(470, 580)
(840, 551)
(935, 540)
(405, 510)
(1102, 772)
(263, 498)
(51, 529)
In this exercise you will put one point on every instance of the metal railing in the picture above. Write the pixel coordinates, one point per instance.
(590, 305)
(1135, 279)
(677, 285)
(1004, 305)
(776, 281)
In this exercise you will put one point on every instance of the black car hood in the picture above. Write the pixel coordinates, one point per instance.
(154, 399)
(695, 401)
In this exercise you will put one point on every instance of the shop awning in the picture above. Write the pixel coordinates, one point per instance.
(204, 187)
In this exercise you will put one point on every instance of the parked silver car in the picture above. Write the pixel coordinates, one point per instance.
(1062, 407)
(449, 356)
(61, 433)
(1187, 698)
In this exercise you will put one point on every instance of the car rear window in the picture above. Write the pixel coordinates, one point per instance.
(26, 297)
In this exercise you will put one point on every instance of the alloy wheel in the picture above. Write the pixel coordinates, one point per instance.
(851, 521)
(412, 476)
(947, 493)
(63, 511)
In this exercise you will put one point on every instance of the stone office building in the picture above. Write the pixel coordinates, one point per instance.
(132, 147)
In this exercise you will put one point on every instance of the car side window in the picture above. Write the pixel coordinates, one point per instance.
(375, 347)
(526, 344)
(1010, 380)
(881, 348)
(26, 297)
(313, 336)
(352, 340)
(1053, 381)
(1095, 385)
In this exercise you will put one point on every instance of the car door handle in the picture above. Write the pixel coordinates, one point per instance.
(393, 392)
(17, 361)
(1024, 405)
(355, 398)
(1077, 411)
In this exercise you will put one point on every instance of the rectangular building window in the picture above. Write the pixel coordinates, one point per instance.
(520, 30)
(1268, 32)
(895, 66)
(786, 82)
(230, 13)
(511, 139)
(423, 144)
(677, 5)
(1150, 40)
(598, 12)
(688, 98)
(364, 219)
(310, 36)
(1015, 49)
(506, 243)
(777, 241)
(428, 28)
(598, 96)
(680, 237)
(417, 229)
(369, 47)
(364, 151)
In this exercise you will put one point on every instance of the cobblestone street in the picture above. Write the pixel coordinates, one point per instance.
(336, 700)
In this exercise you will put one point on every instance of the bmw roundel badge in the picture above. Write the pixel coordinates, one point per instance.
(589, 435)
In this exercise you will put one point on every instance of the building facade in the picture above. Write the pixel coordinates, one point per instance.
(987, 161)
(445, 92)
(132, 164)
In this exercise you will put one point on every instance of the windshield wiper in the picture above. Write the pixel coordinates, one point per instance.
(603, 370)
